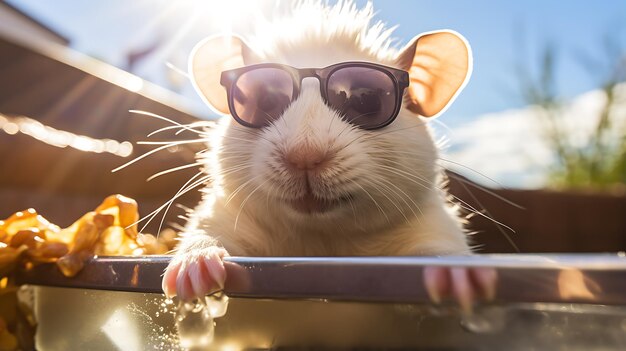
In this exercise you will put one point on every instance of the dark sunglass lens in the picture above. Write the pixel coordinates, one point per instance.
(365, 96)
(262, 95)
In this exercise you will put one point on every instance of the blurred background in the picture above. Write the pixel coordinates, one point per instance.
(536, 143)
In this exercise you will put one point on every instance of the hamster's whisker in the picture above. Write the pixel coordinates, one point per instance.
(413, 178)
(247, 141)
(348, 126)
(466, 205)
(190, 184)
(183, 190)
(270, 191)
(470, 208)
(377, 186)
(162, 130)
(463, 204)
(408, 197)
(451, 175)
(239, 188)
(156, 211)
(406, 175)
(237, 179)
(250, 131)
(140, 157)
(236, 160)
(351, 123)
(243, 203)
(174, 169)
(176, 69)
(164, 145)
(330, 124)
(183, 127)
(482, 188)
(171, 142)
(232, 169)
(508, 237)
(373, 200)
(274, 126)
(236, 152)
(154, 115)
(473, 170)
(266, 114)
(400, 152)
(284, 121)
(439, 122)
(234, 156)
(375, 134)
(353, 210)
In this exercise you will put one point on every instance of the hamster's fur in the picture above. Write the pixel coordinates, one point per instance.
(398, 207)
(381, 190)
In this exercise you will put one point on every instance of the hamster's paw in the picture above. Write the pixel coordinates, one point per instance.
(465, 285)
(195, 273)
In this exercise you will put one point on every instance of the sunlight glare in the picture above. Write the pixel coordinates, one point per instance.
(224, 14)
(61, 138)
(122, 331)
(132, 83)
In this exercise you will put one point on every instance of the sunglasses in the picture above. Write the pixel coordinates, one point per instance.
(365, 94)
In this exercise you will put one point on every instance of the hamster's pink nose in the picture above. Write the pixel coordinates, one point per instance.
(305, 158)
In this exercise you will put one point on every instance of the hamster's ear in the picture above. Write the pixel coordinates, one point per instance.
(209, 59)
(439, 65)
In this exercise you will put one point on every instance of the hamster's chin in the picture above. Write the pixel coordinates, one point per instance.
(311, 205)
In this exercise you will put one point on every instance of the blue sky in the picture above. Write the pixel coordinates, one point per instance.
(107, 29)
(494, 29)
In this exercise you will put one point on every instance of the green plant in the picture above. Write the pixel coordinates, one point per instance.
(599, 161)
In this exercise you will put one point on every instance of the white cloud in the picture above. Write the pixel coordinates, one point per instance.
(509, 146)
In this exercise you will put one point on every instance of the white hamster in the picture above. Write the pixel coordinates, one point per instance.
(311, 183)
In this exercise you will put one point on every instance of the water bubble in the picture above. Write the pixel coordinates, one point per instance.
(195, 325)
(217, 304)
(197, 307)
(194, 320)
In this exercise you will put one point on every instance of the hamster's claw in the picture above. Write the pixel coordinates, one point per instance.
(465, 285)
(195, 274)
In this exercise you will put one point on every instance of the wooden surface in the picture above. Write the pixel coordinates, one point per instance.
(63, 183)
(550, 221)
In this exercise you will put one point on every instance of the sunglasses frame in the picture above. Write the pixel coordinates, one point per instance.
(399, 77)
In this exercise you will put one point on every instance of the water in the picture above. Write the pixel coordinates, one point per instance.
(194, 321)
(156, 337)
(217, 304)
(131, 318)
